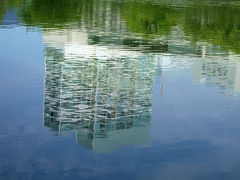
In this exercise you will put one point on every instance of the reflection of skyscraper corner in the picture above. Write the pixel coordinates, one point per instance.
(221, 73)
(104, 97)
(105, 137)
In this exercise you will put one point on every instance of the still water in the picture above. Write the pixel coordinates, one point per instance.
(109, 89)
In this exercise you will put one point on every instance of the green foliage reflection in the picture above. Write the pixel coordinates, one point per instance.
(8, 5)
(148, 19)
(217, 25)
(213, 21)
(50, 12)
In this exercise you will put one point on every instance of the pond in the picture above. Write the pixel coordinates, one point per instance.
(130, 89)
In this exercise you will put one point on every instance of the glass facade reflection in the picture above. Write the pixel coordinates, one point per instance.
(103, 94)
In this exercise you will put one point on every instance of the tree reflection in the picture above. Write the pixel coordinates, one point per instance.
(217, 25)
(212, 21)
(9, 5)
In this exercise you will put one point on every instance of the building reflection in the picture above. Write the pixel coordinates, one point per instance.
(220, 72)
(103, 94)
(224, 74)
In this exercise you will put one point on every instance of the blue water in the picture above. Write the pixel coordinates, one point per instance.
(80, 101)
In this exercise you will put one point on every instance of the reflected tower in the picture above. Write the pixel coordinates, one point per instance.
(103, 94)
(220, 73)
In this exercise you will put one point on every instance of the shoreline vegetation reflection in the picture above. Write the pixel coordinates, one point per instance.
(209, 21)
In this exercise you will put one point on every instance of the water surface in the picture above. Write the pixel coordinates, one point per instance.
(106, 89)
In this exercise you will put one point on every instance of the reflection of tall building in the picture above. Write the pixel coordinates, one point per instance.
(103, 94)
(221, 73)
